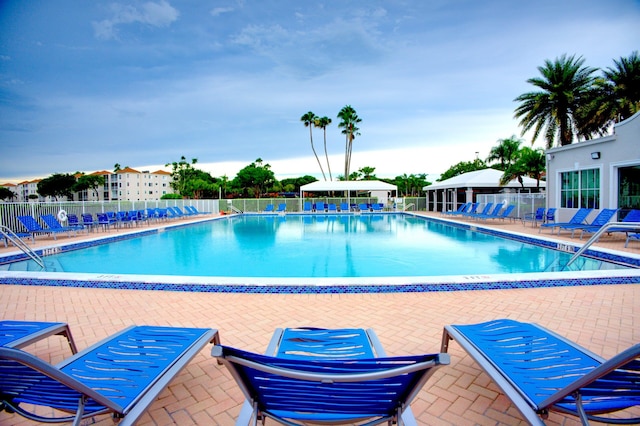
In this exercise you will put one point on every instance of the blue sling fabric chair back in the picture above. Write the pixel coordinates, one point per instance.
(330, 391)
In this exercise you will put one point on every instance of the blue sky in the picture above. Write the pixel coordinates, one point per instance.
(85, 85)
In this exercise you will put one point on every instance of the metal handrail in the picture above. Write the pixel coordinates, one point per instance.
(605, 228)
(408, 206)
(17, 241)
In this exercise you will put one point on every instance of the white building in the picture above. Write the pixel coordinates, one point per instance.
(451, 193)
(127, 185)
(599, 173)
(133, 185)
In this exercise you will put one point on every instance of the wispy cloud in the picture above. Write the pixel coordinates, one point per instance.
(155, 14)
(217, 11)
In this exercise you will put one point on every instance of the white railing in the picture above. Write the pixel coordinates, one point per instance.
(10, 211)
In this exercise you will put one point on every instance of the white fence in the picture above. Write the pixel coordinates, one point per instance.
(10, 211)
(525, 202)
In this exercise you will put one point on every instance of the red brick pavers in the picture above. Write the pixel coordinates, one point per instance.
(604, 319)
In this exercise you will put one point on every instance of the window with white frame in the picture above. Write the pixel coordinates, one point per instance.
(580, 189)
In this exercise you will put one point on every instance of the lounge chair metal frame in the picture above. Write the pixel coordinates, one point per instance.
(18, 334)
(121, 375)
(541, 371)
(324, 361)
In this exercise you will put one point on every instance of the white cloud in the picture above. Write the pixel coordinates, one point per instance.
(217, 11)
(156, 14)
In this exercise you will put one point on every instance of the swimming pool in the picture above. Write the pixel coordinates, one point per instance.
(277, 283)
(315, 246)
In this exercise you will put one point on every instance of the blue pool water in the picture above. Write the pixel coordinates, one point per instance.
(314, 246)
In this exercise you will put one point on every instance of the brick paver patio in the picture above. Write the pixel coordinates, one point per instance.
(604, 319)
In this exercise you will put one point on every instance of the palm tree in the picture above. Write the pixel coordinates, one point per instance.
(616, 96)
(625, 83)
(529, 162)
(505, 151)
(367, 173)
(350, 130)
(565, 85)
(309, 119)
(323, 122)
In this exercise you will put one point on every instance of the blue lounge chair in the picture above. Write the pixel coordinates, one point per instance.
(377, 207)
(577, 219)
(88, 222)
(332, 208)
(471, 210)
(344, 207)
(541, 371)
(194, 210)
(18, 334)
(534, 218)
(632, 216)
(551, 215)
(74, 222)
(327, 376)
(122, 375)
(494, 213)
(34, 228)
(105, 221)
(123, 219)
(182, 212)
(269, 208)
(507, 212)
(9, 238)
(134, 216)
(600, 220)
(113, 218)
(364, 207)
(461, 209)
(307, 207)
(162, 214)
(282, 207)
(474, 213)
(320, 207)
(53, 224)
(171, 214)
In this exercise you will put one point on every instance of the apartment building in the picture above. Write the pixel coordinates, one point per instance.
(126, 184)
(133, 185)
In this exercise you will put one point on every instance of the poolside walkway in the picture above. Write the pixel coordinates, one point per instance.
(604, 319)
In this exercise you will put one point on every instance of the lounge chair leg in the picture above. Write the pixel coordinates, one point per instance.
(580, 409)
(79, 413)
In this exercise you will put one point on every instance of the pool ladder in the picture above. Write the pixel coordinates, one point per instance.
(623, 225)
(18, 242)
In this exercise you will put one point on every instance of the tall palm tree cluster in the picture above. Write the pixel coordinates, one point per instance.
(572, 101)
(349, 118)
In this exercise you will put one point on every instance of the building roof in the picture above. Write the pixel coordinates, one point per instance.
(127, 170)
(348, 185)
(486, 178)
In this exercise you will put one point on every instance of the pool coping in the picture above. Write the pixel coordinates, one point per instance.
(329, 285)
